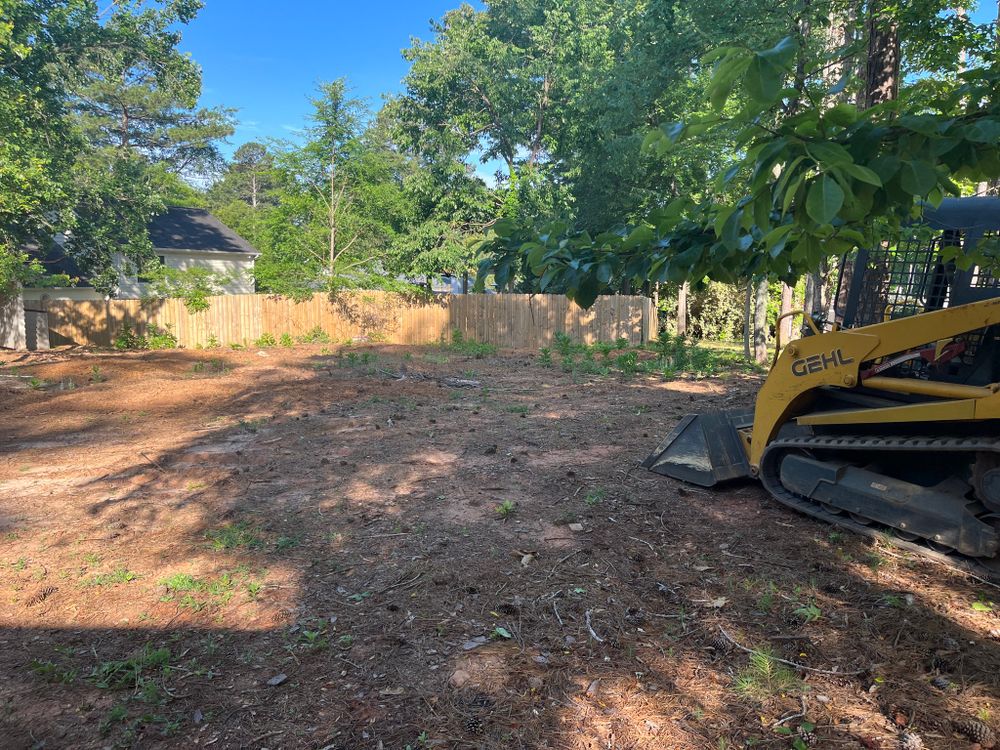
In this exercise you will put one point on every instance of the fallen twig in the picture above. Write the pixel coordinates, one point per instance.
(590, 628)
(560, 561)
(157, 465)
(441, 379)
(556, 610)
(400, 583)
(643, 541)
(802, 715)
(803, 667)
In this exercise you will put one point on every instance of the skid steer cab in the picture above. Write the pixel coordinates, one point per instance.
(886, 419)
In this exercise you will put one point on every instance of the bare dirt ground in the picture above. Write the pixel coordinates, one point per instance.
(297, 550)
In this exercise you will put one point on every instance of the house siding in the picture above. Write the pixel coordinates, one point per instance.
(237, 265)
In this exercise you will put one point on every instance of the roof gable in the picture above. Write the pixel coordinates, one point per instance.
(194, 229)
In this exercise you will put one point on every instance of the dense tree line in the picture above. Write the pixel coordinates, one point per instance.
(569, 101)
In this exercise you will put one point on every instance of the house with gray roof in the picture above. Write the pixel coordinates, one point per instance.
(182, 238)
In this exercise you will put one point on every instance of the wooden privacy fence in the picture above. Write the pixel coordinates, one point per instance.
(509, 321)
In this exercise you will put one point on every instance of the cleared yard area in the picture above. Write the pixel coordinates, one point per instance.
(339, 548)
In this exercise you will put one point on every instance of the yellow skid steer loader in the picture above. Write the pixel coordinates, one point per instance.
(886, 419)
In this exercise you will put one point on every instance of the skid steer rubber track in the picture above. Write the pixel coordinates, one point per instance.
(986, 568)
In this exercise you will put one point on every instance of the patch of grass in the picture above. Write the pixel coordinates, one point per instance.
(234, 536)
(252, 425)
(196, 593)
(595, 496)
(314, 336)
(136, 672)
(874, 560)
(437, 359)
(161, 338)
(506, 509)
(52, 672)
(461, 345)
(92, 558)
(285, 543)
(116, 577)
(37, 384)
(763, 677)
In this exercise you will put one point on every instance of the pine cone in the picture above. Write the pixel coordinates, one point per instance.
(976, 731)
(719, 644)
(909, 741)
(809, 738)
(474, 725)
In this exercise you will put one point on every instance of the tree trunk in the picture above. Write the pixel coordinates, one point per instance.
(882, 67)
(333, 215)
(747, 321)
(655, 295)
(785, 331)
(760, 322)
(253, 190)
(682, 309)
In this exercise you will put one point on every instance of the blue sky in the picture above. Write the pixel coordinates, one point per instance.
(265, 58)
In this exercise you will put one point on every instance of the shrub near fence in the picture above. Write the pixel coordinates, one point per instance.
(509, 321)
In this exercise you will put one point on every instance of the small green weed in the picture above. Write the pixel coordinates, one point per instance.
(982, 604)
(506, 509)
(285, 543)
(808, 612)
(595, 496)
(96, 376)
(118, 576)
(461, 345)
(161, 338)
(763, 676)
(252, 425)
(314, 336)
(37, 384)
(234, 536)
(52, 672)
(265, 341)
(286, 340)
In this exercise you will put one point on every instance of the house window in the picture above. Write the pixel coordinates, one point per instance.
(163, 259)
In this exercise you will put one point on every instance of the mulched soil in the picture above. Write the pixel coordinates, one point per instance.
(291, 549)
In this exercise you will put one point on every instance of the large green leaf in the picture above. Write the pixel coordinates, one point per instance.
(763, 79)
(860, 172)
(918, 177)
(824, 200)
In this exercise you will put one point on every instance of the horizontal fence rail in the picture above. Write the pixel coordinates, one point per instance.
(508, 321)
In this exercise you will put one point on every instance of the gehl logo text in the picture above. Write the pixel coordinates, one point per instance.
(819, 362)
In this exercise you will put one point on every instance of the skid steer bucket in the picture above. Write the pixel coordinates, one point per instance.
(704, 449)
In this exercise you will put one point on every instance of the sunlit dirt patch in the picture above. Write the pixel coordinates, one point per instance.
(300, 550)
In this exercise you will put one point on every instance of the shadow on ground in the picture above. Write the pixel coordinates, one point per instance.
(305, 550)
